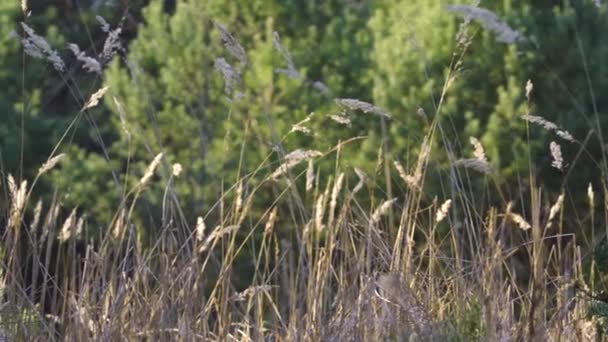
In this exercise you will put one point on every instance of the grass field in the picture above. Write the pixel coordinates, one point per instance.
(409, 266)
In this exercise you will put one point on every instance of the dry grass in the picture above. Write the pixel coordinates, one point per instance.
(398, 269)
(345, 276)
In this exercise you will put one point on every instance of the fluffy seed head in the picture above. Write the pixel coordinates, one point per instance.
(556, 153)
(529, 87)
(443, 211)
(488, 20)
(37, 47)
(310, 175)
(591, 196)
(68, 227)
(88, 63)
(294, 158)
(150, 170)
(365, 107)
(231, 44)
(200, 229)
(94, 100)
(381, 210)
(341, 119)
(50, 163)
(557, 206)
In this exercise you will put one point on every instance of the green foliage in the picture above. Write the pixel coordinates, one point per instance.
(487, 98)
(175, 101)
